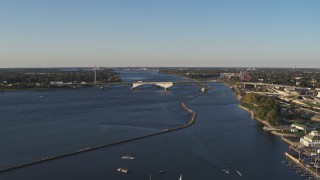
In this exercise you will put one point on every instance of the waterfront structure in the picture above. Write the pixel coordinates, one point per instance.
(312, 139)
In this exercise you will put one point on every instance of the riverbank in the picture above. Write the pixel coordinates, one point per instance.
(256, 118)
(43, 89)
(27, 89)
(267, 124)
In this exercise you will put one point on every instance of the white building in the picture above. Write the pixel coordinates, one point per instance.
(294, 130)
(298, 126)
(318, 92)
(312, 139)
(56, 82)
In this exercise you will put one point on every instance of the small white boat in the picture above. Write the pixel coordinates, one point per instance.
(123, 170)
(180, 177)
(227, 171)
(128, 157)
(239, 173)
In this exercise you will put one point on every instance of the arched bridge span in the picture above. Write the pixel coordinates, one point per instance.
(165, 85)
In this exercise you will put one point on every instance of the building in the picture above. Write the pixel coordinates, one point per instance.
(312, 139)
(244, 76)
(318, 92)
(315, 117)
(299, 126)
(56, 82)
(229, 75)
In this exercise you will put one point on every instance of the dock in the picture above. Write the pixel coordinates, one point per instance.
(301, 167)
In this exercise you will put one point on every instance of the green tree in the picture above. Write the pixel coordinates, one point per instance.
(272, 116)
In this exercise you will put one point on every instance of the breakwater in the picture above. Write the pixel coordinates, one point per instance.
(99, 146)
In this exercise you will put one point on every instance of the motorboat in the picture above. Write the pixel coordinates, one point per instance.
(128, 157)
(227, 171)
(123, 170)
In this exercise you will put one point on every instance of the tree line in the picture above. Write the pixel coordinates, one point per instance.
(30, 78)
(264, 107)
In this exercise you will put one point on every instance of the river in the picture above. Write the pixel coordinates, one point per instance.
(37, 124)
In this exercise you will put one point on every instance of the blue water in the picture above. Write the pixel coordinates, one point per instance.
(37, 124)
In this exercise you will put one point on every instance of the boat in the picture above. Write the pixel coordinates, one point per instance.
(162, 172)
(123, 170)
(239, 173)
(180, 177)
(227, 171)
(128, 157)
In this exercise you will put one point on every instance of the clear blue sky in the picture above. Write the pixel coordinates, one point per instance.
(252, 33)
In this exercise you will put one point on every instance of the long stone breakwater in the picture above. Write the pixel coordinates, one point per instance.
(183, 105)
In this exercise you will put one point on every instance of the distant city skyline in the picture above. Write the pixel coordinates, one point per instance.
(167, 33)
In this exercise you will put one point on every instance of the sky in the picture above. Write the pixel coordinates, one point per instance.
(178, 33)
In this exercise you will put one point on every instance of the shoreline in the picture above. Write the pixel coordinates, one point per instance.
(286, 139)
(30, 89)
(49, 88)
(256, 118)
(268, 125)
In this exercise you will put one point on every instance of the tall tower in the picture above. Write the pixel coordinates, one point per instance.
(95, 74)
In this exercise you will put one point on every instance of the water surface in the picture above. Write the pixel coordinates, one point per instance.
(42, 123)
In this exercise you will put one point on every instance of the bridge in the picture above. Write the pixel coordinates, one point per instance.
(255, 84)
(133, 85)
(165, 85)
